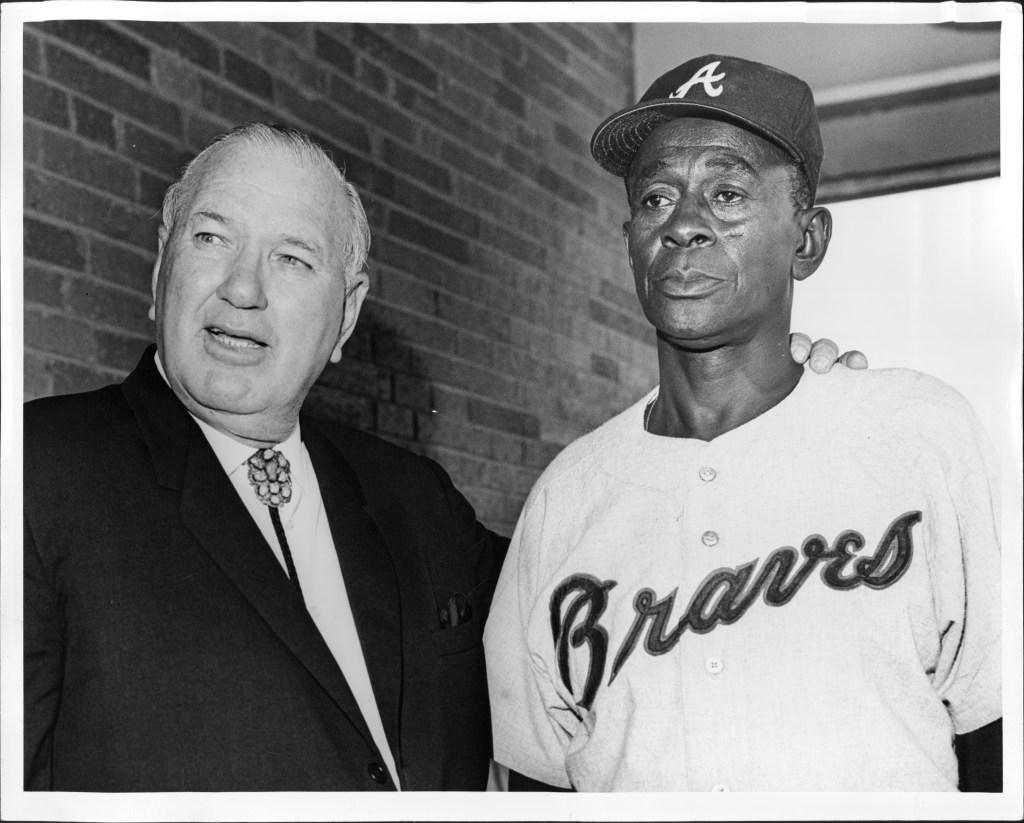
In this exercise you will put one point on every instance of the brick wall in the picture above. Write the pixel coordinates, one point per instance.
(501, 322)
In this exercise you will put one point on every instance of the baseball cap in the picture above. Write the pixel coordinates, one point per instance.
(762, 99)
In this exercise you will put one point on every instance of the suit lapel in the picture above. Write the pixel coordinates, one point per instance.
(369, 573)
(212, 512)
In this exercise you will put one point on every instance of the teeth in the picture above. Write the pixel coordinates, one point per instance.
(234, 342)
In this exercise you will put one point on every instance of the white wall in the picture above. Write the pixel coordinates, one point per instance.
(923, 280)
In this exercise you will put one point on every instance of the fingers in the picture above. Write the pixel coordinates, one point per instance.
(823, 356)
(799, 346)
(854, 360)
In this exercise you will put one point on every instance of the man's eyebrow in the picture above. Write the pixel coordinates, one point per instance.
(719, 162)
(211, 215)
(733, 163)
(646, 172)
(292, 240)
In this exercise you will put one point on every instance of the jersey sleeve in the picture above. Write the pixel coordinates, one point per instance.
(966, 590)
(531, 723)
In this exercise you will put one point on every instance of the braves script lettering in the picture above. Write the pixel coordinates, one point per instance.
(723, 597)
(592, 594)
(706, 77)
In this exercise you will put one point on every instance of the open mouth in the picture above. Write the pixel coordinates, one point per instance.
(233, 339)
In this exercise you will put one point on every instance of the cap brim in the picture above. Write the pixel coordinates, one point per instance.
(617, 139)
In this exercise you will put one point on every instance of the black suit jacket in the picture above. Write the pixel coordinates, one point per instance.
(165, 649)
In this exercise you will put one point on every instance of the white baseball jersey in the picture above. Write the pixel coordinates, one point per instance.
(807, 602)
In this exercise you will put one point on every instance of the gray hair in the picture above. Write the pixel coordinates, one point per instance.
(271, 136)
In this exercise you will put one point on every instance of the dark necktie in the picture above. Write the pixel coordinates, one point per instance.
(269, 477)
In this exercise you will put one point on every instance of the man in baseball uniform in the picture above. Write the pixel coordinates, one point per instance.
(676, 612)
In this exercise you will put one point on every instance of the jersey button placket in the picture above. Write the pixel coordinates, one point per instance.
(707, 475)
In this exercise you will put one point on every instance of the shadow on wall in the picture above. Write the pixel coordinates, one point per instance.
(375, 387)
(383, 386)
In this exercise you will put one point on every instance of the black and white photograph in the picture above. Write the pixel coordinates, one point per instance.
(511, 411)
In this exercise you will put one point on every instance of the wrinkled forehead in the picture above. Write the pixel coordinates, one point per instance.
(685, 138)
(275, 170)
(272, 189)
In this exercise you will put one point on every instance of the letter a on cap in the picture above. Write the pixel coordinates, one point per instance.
(706, 77)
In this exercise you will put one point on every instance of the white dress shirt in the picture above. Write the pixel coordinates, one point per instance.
(316, 561)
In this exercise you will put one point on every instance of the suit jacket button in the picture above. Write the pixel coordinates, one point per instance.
(378, 773)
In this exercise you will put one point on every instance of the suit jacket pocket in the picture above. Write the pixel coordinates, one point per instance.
(459, 638)
(460, 698)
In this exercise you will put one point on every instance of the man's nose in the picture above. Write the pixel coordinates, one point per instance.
(690, 225)
(243, 287)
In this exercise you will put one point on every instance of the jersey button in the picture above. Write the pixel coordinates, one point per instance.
(707, 474)
(719, 788)
(377, 773)
(709, 539)
(714, 665)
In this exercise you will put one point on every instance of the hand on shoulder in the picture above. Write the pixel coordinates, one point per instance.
(823, 354)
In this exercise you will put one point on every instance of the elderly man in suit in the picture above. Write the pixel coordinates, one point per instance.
(220, 593)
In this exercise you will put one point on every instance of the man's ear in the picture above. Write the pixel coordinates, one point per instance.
(161, 240)
(355, 292)
(817, 231)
